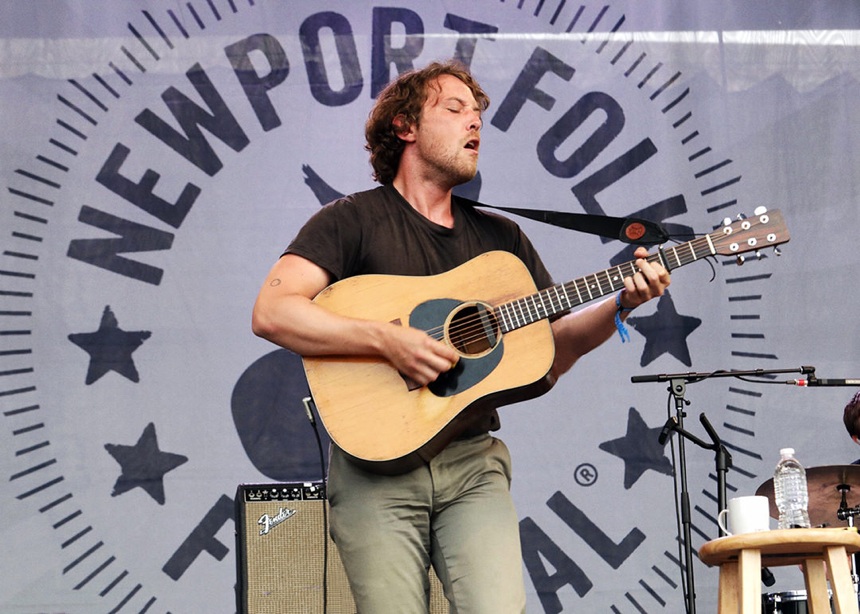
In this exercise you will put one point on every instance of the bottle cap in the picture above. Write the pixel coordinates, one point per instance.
(786, 451)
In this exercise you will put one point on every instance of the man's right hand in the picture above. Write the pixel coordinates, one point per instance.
(417, 355)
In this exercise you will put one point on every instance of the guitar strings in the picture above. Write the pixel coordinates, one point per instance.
(524, 310)
(471, 329)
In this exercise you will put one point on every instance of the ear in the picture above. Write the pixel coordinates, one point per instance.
(404, 132)
(854, 437)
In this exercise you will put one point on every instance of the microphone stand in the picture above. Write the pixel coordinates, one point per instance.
(678, 387)
(722, 461)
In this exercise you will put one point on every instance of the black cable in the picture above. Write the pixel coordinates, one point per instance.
(308, 401)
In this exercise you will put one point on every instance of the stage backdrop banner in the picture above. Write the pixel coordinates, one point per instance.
(159, 156)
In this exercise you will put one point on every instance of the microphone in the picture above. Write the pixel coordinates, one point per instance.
(833, 382)
(815, 381)
(767, 577)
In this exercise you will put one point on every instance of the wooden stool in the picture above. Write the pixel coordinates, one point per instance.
(741, 558)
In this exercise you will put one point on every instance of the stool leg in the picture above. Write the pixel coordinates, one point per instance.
(729, 588)
(844, 597)
(749, 569)
(815, 576)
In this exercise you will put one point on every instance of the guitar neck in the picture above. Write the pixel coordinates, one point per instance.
(564, 297)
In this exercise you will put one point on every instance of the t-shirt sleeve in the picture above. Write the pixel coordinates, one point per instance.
(331, 238)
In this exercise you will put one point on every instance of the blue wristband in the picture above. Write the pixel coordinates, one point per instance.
(622, 330)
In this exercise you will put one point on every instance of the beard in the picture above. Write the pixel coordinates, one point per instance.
(448, 165)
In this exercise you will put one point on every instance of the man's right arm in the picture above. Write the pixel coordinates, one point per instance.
(286, 315)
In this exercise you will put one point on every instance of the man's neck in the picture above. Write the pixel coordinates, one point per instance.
(427, 198)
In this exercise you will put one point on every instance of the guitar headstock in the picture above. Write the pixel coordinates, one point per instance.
(764, 229)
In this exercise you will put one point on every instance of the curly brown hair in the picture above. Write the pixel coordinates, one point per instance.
(405, 97)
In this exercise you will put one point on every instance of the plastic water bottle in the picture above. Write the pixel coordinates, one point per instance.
(789, 486)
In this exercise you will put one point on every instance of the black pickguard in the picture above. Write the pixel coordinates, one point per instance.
(469, 371)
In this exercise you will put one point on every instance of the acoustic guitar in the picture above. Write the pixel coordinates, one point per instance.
(490, 311)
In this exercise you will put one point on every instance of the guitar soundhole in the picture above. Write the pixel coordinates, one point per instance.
(472, 329)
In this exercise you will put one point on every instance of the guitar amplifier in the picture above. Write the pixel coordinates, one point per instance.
(286, 561)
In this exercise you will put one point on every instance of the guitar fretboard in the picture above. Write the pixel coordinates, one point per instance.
(564, 297)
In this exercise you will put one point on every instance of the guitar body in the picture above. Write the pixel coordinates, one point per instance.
(388, 424)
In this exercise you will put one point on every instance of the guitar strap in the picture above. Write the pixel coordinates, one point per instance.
(629, 230)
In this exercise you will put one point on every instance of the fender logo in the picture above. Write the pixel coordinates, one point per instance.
(270, 522)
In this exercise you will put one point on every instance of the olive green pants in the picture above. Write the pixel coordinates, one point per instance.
(455, 513)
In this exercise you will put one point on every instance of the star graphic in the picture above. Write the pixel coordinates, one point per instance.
(110, 348)
(665, 331)
(639, 449)
(143, 465)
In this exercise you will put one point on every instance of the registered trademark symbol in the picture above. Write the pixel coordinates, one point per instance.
(585, 474)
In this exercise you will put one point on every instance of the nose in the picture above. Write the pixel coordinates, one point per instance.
(475, 123)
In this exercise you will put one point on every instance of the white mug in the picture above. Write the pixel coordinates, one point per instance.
(746, 514)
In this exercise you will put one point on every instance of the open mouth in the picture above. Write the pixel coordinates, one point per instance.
(473, 144)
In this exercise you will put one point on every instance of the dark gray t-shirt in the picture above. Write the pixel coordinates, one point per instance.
(377, 231)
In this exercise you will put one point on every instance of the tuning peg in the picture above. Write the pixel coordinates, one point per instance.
(758, 254)
(760, 210)
(740, 259)
(741, 216)
(777, 251)
(727, 221)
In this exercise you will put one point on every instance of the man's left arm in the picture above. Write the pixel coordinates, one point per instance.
(579, 332)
